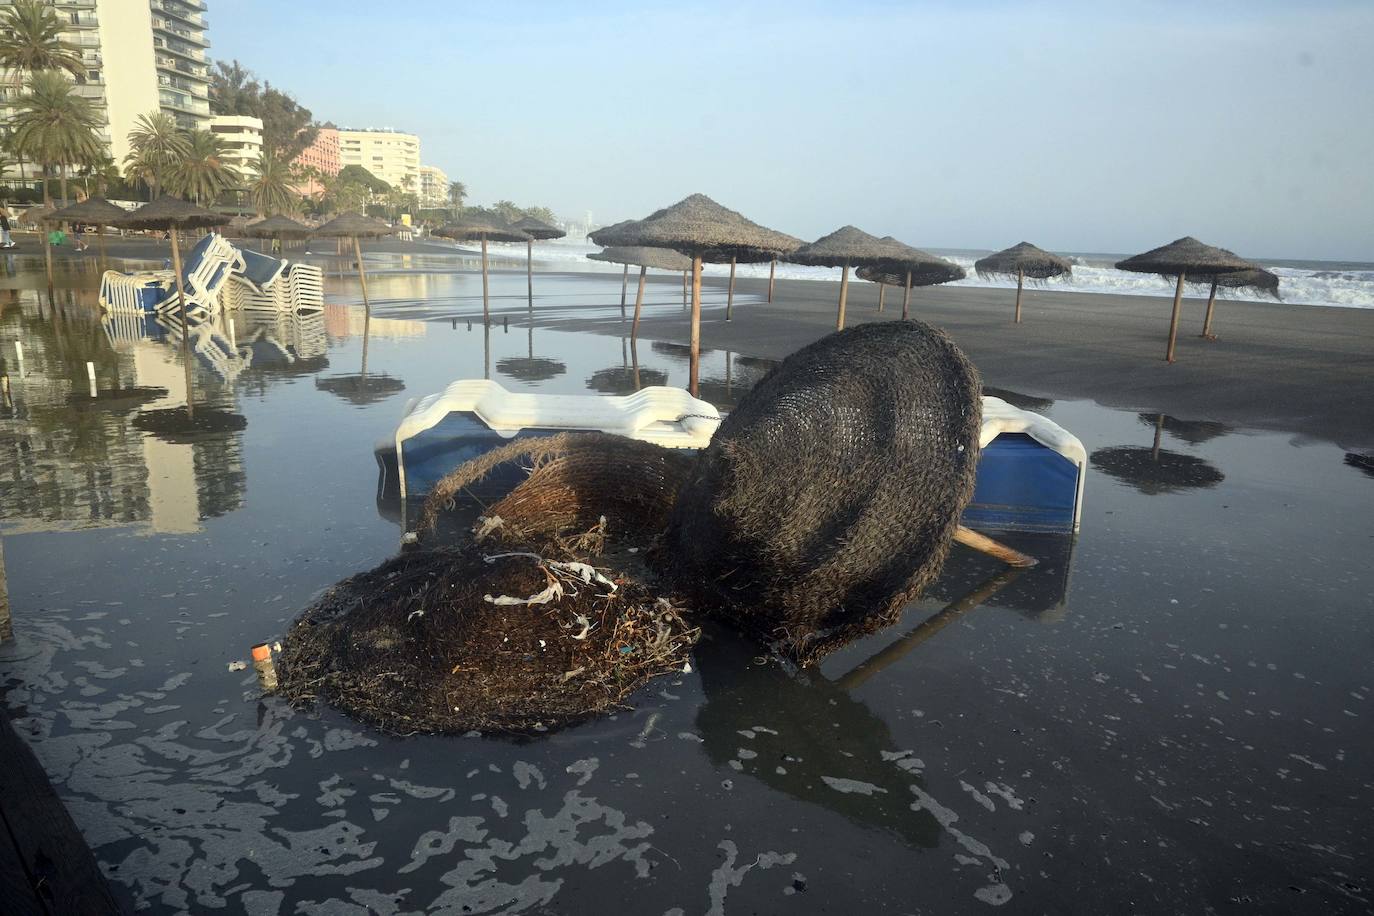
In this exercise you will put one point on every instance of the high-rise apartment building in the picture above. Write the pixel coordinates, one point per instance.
(322, 156)
(140, 56)
(242, 138)
(433, 189)
(390, 155)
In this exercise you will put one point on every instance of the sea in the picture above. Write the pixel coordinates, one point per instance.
(1341, 284)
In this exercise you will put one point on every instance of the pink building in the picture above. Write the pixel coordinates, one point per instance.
(322, 155)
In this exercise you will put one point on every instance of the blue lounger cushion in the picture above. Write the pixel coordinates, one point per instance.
(261, 271)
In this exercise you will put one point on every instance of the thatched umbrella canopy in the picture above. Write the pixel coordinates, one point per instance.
(698, 226)
(175, 214)
(1023, 260)
(850, 247)
(613, 235)
(277, 227)
(537, 230)
(353, 225)
(1259, 281)
(915, 268)
(487, 229)
(95, 211)
(735, 258)
(643, 258)
(1187, 258)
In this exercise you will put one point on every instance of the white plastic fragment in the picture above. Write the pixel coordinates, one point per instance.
(238, 666)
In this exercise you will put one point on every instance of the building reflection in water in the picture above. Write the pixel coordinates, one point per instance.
(74, 462)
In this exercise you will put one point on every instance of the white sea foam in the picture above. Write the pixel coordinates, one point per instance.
(1343, 286)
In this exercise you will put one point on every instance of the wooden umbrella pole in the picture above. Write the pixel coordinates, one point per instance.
(367, 335)
(730, 296)
(882, 295)
(6, 627)
(696, 326)
(639, 304)
(906, 297)
(1211, 304)
(1173, 321)
(362, 275)
(486, 308)
(624, 286)
(47, 257)
(865, 670)
(984, 544)
(772, 272)
(529, 271)
(185, 328)
(634, 357)
(1020, 278)
(844, 294)
(100, 240)
(1159, 434)
(486, 349)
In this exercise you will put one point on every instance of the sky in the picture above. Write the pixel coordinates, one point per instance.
(1102, 127)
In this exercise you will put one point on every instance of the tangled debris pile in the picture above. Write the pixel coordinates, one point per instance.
(542, 617)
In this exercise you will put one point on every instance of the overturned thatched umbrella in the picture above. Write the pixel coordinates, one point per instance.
(94, 211)
(1023, 260)
(914, 268)
(537, 230)
(848, 247)
(1187, 259)
(1258, 280)
(487, 229)
(354, 225)
(278, 227)
(697, 226)
(644, 258)
(175, 214)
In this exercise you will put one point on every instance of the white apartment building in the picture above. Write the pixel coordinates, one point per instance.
(433, 188)
(242, 136)
(391, 155)
(140, 55)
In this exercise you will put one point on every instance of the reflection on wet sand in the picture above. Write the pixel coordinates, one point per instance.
(1156, 470)
(76, 462)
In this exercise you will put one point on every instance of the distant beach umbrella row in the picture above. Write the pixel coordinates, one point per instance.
(1023, 260)
(643, 258)
(537, 230)
(488, 229)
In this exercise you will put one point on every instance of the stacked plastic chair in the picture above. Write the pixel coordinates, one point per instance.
(275, 286)
(204, 273)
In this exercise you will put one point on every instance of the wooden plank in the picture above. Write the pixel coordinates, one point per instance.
(16, 890)
(58, 867)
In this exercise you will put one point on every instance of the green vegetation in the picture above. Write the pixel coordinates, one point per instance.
(272, 190)
(55, 128)
(31, 41)
(202, 174)
(287, 127)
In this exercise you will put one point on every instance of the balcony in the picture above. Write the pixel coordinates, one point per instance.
(183, 11)
(182, 67)
(194, 36)
(184, 103)
(181, 50)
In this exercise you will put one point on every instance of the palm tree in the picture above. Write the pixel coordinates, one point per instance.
(157, 146)
(457, 192)
(203, 174)
(31, 40)
(103, 170)
(273, 191)
(55, 127)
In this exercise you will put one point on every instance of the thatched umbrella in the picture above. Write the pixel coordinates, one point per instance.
(278, 227)
(175, 214)
(658, 258)
(354, 225)
(536, 230)
(38, 216)
(94, 211)
(1259, 280)
(486, 229)
(696, 226)
(1023, 260)
(1186, 258)
(850, 247)
(911, 267)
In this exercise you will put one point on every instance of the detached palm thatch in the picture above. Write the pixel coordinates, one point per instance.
(1187, 258)
(487, 229)
(850, 247)
(175, 214)
(355, 226)
(698, 226)
(643, 258)
(1023, 260)
(96, 211)
(537, 230)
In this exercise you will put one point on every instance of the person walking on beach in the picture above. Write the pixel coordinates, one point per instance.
(5, 240)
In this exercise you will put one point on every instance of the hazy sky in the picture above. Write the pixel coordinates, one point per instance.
(1087, 127)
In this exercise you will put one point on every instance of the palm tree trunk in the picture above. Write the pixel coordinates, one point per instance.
(63, 174)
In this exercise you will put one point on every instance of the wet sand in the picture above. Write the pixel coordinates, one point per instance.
(1295, 368)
